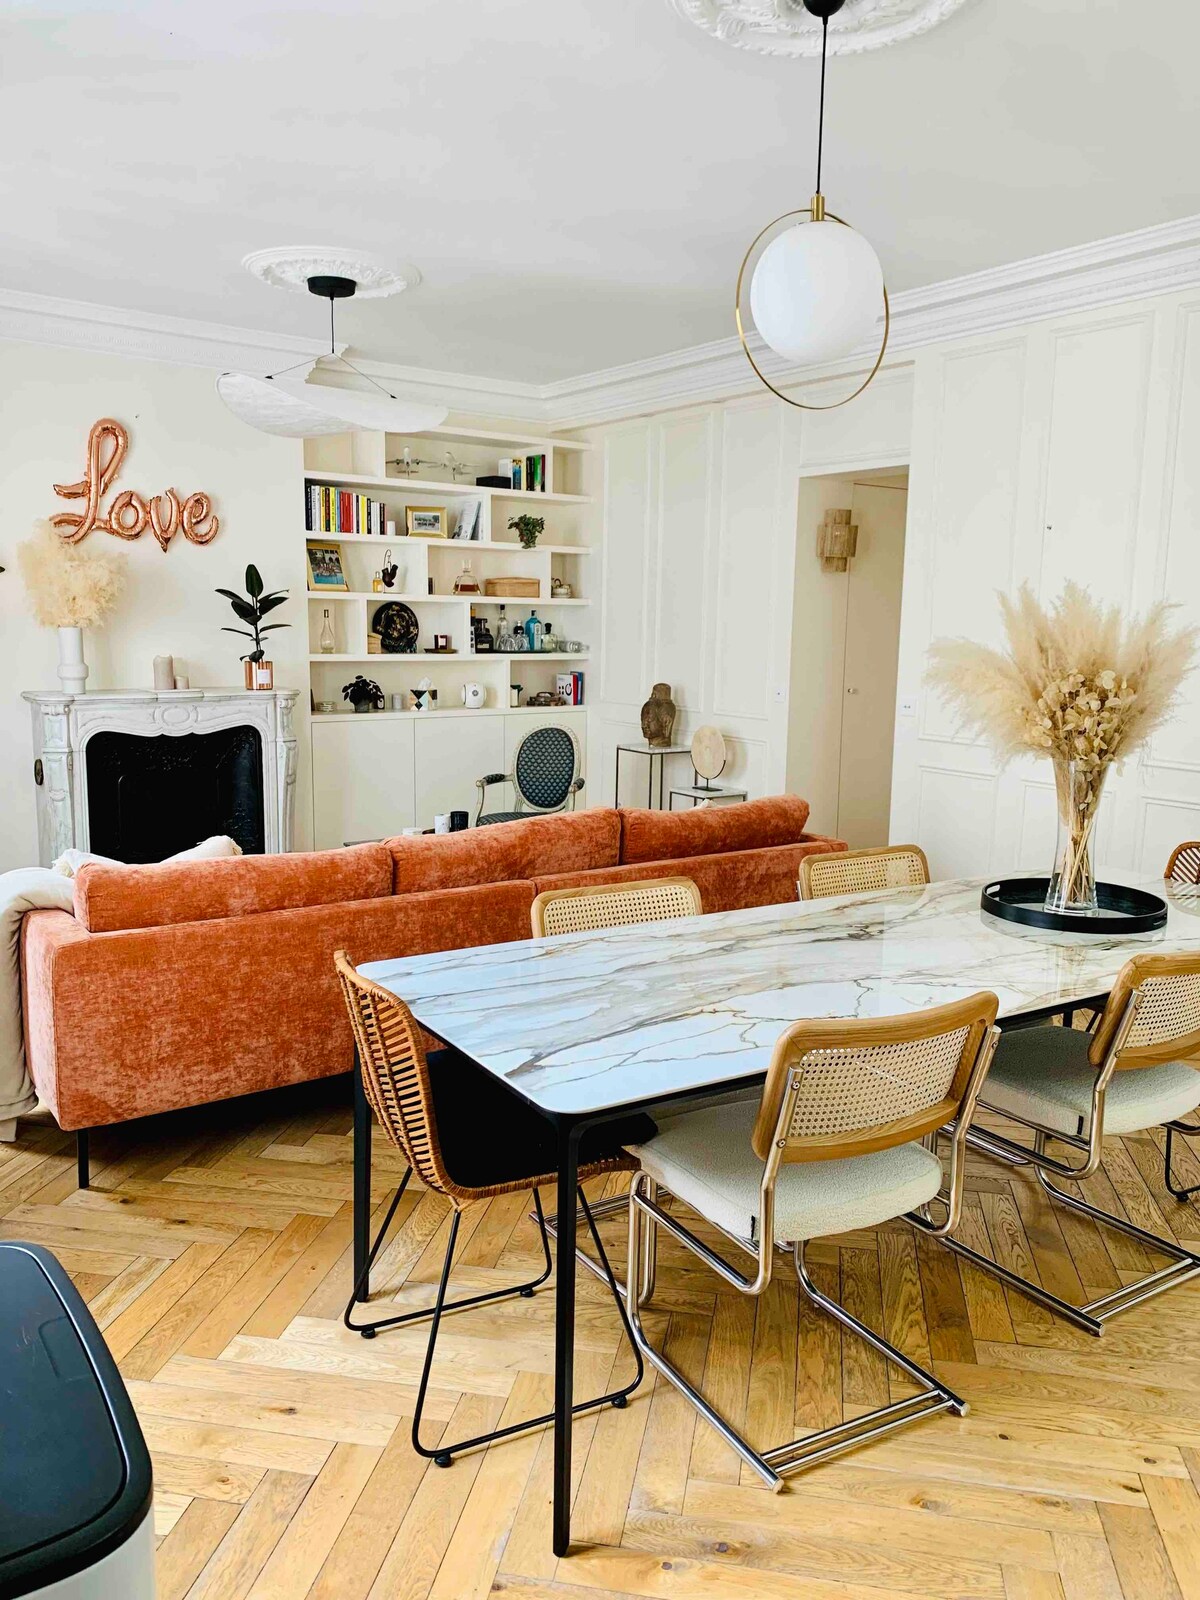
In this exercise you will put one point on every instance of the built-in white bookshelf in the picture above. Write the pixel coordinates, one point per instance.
(352, 752)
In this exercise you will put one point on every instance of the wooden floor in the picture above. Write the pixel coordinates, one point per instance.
(213, 1249)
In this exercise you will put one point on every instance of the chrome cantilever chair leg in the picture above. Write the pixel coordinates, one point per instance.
(443, 1454)
(1184, 1128)
(1092, 1316)
(774, 1464)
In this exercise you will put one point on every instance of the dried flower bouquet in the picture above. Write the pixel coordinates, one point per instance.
(1078, 684)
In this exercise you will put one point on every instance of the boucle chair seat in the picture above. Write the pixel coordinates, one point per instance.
(1043, 1075)
(705, 1159)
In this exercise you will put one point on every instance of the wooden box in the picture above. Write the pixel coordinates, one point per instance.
(513, 588)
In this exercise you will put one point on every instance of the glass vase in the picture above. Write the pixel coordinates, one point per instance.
(1078, 787)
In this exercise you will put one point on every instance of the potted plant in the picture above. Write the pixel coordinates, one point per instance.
(529, 529)
(364, 694)
(251, 608)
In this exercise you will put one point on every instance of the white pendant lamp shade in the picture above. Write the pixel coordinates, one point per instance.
(817, 292)
(298, 410)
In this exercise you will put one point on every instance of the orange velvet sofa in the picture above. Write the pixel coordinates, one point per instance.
(190, 982)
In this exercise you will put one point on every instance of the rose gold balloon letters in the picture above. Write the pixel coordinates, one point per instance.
(129, 515)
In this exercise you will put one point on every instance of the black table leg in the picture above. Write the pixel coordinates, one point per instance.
(362, 1182)
(650, 781)
(564, 1331)
(617, 780)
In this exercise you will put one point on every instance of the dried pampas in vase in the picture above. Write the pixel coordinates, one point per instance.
(70, 590)
(1077, 684)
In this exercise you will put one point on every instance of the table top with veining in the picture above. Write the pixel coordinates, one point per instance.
(586, 1022)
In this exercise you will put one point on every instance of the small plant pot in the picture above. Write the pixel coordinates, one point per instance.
(362, 705)
(259, 674)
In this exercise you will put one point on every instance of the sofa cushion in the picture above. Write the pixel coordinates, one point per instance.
(726, 882)
(667, 835)
(572, 841)
(112, 898)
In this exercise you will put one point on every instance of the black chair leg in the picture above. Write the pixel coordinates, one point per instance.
(1179, 1193)
(444, 1454)
(82, 1164)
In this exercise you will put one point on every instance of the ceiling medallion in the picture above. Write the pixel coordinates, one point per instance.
(291, 267)
(786, 28)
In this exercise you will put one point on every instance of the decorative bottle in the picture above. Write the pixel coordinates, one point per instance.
(534, 631)
(326, 644)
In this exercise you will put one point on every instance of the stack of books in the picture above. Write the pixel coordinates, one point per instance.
(525, 472)
(330, 510)
(569, 687)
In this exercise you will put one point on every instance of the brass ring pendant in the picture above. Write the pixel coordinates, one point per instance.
(803, 405)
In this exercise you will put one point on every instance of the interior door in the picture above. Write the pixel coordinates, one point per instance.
(869, 680)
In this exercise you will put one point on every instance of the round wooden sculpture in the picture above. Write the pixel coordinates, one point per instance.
(708, 752)
(658, 717)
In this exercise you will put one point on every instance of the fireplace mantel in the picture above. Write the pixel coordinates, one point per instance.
(63, 724)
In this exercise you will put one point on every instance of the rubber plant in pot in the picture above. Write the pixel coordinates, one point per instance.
(364, 694)
(251, 608)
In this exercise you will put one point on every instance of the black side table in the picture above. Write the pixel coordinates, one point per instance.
(651, 752)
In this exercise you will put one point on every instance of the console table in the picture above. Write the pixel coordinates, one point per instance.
(640, 747)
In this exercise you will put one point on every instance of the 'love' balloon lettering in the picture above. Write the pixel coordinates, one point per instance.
(129, 515)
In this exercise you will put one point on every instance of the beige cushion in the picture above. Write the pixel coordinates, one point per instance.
(1044, 1075)
(706, 1160)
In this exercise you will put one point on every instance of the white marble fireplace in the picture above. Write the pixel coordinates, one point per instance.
(63, 725)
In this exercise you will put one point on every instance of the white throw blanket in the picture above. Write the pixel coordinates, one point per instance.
(27, 889)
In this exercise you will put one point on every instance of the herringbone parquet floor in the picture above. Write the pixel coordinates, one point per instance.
(213, 1249)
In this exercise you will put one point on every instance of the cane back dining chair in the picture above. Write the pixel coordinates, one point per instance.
(1183, 869)
(545, 776)
(593, 907)
(841, 1138)
(892, 866)
(468, 1138)
(1130, 1073)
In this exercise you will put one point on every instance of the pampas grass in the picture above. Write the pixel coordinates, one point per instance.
(1077, 682)
(68, 588)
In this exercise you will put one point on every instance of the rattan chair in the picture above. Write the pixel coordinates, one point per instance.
(469, 1138)
(1130, 1073)
(840, 1139)
(1183, 869)
(892, 866)
(613, 905)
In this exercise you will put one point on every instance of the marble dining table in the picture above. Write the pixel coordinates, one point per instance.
(590, 1026)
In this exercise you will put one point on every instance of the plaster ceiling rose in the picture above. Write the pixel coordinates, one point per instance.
(290, 266)
(785, 28)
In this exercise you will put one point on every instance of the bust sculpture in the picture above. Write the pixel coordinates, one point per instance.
(658, 717)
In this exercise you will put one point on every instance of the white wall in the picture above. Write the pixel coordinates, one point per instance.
(699, 512)
(181, 436)
(1066, 449)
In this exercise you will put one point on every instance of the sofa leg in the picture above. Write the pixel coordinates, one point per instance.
(81, 1158)
(8, 1130)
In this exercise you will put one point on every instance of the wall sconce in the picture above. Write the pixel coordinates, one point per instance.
(837, 541)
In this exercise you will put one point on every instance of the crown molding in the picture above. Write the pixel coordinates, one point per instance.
(1129, 266)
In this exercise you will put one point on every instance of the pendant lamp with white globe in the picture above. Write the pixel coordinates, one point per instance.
(294, 406)
(817, 291)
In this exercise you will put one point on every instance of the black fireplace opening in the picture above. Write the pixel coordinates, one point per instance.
(152, 795)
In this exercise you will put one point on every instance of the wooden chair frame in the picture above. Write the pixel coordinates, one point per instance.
(392, 1071)
(1108, 1052)
(815, 862)
(774, 1144)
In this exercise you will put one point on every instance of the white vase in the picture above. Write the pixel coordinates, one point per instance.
(72, 669)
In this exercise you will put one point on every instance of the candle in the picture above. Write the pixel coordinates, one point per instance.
(164, 672)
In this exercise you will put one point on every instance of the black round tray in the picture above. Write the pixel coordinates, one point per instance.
(1121, 910)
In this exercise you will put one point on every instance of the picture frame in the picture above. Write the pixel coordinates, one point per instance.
(428, 522)
(324, 566)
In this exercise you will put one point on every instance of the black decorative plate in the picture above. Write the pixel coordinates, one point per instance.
(1120, 910)
(397, 627)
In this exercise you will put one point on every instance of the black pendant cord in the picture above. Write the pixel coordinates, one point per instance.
(821, 113)
(333, 356)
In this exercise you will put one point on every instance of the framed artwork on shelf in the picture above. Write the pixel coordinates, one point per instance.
(324, 566)
(429, 521)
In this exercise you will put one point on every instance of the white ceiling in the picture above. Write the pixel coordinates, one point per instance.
(576, 179)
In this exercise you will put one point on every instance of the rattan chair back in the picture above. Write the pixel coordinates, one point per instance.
(1184, 865)
(613, 905)
(893, 866)
(845, 1088)
(1166, 1022)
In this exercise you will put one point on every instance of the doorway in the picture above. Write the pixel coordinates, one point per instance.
(845, 644)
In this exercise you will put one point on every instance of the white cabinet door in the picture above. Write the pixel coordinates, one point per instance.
(362, 779)
(451, 753)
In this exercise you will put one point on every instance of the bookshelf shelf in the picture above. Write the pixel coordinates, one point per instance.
(439, 657)
(442, 486)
